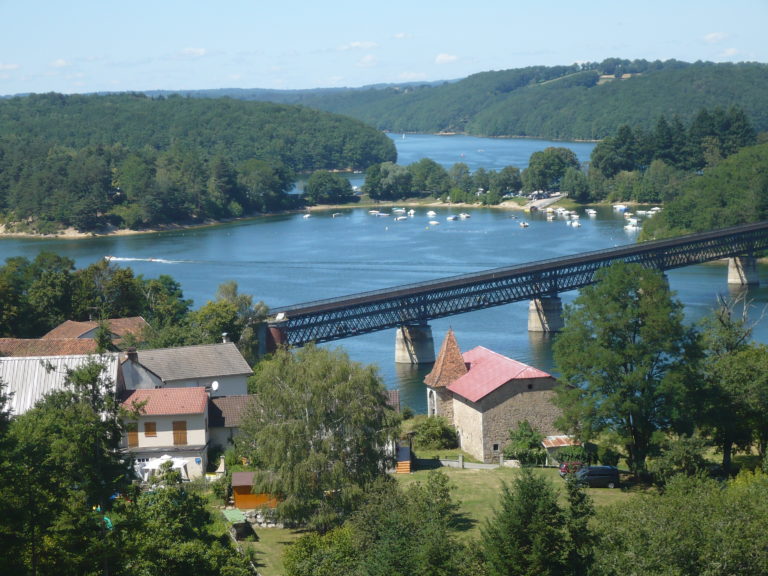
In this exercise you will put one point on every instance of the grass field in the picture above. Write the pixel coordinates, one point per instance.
(477, 491)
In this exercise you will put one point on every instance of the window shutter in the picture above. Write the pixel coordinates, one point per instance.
(179, 432)
(150, 429)
(133, 434)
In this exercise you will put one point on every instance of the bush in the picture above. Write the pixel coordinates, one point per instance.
(525, 445)
(435, 433)
(683, 455)
(607, 456)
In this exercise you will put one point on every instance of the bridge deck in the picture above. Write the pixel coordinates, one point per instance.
(336, 318)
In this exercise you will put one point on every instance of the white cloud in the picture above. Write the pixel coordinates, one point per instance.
(402, 36)
(715, 37)
(4, 66)
(192, 52)
(729, 53)
(359, 46)
(367, 61)
(445, 58)
(60, 63)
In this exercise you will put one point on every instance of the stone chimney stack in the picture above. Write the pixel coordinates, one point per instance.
(224, 337)
(133, 356)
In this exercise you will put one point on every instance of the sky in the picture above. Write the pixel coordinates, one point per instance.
(82, 46)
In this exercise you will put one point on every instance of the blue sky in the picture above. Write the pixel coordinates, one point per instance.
(78, 46)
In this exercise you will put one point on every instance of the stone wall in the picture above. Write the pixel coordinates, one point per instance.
(468, 421)
(482, 425)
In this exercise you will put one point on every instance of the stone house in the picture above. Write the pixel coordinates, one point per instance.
(485, 395)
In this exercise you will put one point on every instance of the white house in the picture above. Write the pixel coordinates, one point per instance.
(168, 421)
(219, 367)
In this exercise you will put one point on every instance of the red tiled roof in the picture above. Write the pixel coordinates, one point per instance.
(449, 365)
(23, 347)
(118, 326)
(488, 371)
(168, 401)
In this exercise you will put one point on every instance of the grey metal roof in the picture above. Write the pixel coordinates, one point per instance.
(195, 362)
(29, 378)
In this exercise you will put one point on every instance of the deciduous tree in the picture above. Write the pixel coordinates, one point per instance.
(317, 432)
(623, 357)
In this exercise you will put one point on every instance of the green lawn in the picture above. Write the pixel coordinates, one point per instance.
(476, 490)
(269, 549)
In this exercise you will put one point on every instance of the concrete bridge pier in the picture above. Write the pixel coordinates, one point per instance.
(545, 314)
(742, 271)
(414, 344)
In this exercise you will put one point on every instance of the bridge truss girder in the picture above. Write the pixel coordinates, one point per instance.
(417, 304)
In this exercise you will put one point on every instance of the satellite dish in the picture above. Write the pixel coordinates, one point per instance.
(215, 385)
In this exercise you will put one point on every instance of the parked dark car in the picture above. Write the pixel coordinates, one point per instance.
(598, 476)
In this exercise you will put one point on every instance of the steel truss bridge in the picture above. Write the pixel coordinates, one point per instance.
(416, 304)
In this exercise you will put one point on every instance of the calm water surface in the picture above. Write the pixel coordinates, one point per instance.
(285, 260)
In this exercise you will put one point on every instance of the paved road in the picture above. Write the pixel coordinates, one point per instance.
(544, 202)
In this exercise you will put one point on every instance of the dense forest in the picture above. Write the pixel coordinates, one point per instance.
(133, 161)
(581, 101)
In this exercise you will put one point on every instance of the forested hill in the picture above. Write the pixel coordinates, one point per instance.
(301, 138)
(587, 101)
(133, 161)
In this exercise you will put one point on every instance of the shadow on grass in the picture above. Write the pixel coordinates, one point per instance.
(427, 464)
(463, 523)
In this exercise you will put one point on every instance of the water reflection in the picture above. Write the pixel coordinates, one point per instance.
(412, 390)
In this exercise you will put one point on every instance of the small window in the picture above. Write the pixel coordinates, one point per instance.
(495, 447)
(150, 429)
(530, 386)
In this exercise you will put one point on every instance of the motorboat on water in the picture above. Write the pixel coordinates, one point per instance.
(452, 218)
(464, 216)
(431, 213)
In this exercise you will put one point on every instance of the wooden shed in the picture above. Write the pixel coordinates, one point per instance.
(245, 499)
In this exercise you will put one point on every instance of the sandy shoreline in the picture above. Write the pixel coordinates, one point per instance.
(72, 234)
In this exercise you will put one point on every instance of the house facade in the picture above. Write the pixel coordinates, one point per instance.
(192, 398)
(168, 421)
(224, 416)
(219, 367)
(485, 395)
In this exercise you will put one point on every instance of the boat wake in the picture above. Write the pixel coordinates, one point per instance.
(158, 260)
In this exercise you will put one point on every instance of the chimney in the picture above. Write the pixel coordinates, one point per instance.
(224, 337)
(133, 356)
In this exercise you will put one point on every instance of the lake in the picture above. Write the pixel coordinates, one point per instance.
(288, 259)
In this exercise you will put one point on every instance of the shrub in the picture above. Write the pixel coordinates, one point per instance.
(683, 455)
(607, 456)
(435, 433)
(525, 445)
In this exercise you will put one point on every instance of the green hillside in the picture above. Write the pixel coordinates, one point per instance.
(588, 101)
(127, 160)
